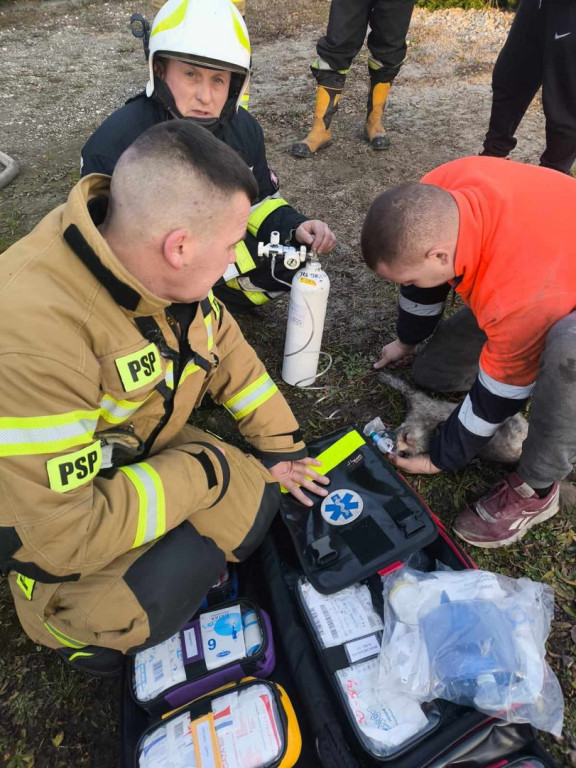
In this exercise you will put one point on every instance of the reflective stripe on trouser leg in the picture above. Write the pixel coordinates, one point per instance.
(449, 362)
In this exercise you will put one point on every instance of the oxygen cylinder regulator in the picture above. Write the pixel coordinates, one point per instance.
(306, 312)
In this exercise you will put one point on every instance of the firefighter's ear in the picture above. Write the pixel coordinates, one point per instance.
(176, 249)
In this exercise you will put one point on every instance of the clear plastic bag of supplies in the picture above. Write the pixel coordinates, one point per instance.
(472, 637)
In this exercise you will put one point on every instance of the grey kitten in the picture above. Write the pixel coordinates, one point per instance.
(425, 413)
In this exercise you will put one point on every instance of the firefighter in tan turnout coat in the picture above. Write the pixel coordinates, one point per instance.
(117, 516)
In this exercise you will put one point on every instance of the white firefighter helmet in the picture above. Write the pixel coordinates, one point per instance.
(209, 33)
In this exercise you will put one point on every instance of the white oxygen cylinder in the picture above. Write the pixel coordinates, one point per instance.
(306, 313)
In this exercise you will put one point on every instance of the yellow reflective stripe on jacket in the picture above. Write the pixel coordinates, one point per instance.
(26, 585)
(214, 304)
(32, 435)
(171, 21)
(188, 369)
(262, 211)
(208, 324)
(169, 375)
(256, 297)
(116, 411)
(337, 453)
(151, 502)
(251, 397)
(245, 101)
(244, 261)
(62, 638)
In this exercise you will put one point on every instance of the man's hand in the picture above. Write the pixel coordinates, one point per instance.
(396, 354)
(317, 235)
(417, 464)
(292, 474)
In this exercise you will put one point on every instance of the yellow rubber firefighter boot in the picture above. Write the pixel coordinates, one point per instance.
(374, 130)
(320, 136)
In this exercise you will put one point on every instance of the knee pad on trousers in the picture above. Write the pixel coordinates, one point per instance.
(172, 578)
(269, 506)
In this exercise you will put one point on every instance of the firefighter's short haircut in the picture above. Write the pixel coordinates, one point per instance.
(404, 221)
(177, 170)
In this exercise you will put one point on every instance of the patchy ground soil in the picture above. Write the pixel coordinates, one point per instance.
(66, 64)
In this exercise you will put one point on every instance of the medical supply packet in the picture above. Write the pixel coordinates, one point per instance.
(472, 637)
(176, 671)
(251, 725)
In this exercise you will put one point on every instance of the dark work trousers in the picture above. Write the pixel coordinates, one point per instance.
(449, 363)
(347, 26)
(540, 51)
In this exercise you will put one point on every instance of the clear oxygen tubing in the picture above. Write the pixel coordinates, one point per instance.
(305, 325)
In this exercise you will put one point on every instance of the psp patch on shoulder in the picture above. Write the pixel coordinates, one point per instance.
(341, 507)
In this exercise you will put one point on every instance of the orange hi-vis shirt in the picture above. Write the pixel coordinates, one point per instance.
(516, 255)
(515, 267)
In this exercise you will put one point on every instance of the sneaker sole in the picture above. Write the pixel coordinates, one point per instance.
(546, 514)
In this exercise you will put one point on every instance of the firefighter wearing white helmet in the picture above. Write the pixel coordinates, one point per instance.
(199, 68)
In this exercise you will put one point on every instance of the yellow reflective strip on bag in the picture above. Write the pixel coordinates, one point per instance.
(151, 502)
(336, 453)
(139, 368)
(244, 261)
(171, 21)
(33, 435)
(262, 211)
(188, 370)
(65, 473)
(116, 411)
(251, 397)
(26, 585)
(63, 638)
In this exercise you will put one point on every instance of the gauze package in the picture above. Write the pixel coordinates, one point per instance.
(472, 637)
(347, 619)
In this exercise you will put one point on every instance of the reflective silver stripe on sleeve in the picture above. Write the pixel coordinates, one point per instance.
(152, 503)
(117, 411)
(251, 397)
(422, 310)
(474, 423)
(509, 391)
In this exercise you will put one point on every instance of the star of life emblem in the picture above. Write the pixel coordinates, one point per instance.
(341, 507)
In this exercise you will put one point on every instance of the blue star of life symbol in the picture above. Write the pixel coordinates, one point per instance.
(341, 506)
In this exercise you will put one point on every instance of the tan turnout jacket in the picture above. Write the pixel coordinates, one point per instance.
(93, 400)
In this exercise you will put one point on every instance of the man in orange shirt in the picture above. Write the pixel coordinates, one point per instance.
(502, 236)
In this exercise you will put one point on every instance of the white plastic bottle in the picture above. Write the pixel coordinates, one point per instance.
(306, 313)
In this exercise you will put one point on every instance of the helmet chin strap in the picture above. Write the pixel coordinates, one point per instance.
(163, 94)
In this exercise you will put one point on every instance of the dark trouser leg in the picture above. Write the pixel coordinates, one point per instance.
(549, 451)
(516, 78)
(449, 362)
(559, 86)
(389, 22)
(347, 25)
